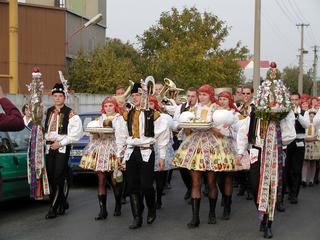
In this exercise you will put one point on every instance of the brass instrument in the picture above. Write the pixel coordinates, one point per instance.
(169, 89)
(148, 88)
(124, 97)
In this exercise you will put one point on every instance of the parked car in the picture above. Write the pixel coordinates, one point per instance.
(77, 148)
(13, 164)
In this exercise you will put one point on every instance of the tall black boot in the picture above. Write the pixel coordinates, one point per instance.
(212, 211)
(263, 224)
(63, 205)
(226, 208)
(52, 213)
(195, 221)
(151, 204)
(136, 211)
(103, 207)
(267, 230)
(117, 191)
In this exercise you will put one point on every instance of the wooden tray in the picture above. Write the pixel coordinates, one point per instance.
(196, 125)
(99, 130)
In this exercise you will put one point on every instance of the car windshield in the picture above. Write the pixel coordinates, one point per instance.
(20, 140)
(88, 118)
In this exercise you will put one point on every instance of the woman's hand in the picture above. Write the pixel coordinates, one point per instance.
(187, 131)
(161, 164)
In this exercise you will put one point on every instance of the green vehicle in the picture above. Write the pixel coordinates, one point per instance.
(13, 164)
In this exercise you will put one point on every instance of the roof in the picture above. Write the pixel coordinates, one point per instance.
(247, 64)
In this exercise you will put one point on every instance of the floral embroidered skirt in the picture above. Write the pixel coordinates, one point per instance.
(312, 151)
(202, 151)
(100, 155)
(169, 157)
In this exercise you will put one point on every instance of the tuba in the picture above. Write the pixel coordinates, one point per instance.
(148, 88)
(170, 89)
(124, 97)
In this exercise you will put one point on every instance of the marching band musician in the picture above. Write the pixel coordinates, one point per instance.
(142, 128)
(62, 128)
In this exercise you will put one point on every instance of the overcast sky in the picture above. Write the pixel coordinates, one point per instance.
(280, 38)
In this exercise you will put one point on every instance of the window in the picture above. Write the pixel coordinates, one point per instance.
(20, 140)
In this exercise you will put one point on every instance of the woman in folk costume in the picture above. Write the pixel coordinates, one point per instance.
(201, 151)
(100, 156)
(269, 128)
(226, 103)
(312, 151)
(161, 175)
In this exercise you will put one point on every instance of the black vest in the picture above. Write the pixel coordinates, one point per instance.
(252, 127)
(149, 122)
(298, 126)
(184, 108)
(63, 126)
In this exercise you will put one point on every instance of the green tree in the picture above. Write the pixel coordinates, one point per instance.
(291, 75)
(186, 47)
(104, 69)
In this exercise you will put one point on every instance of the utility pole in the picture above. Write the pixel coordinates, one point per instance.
(256, 59)
(315, 61)
(300, 79)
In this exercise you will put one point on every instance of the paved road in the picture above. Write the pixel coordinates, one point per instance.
(24, 219)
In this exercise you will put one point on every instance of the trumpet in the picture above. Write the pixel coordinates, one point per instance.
(124, 97)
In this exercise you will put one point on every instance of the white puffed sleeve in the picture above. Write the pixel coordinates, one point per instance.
(121, 134)
(74, 131)
(288, 131)
(162, 134)
(242, 135)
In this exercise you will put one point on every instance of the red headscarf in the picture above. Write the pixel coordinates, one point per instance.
(209, 90)
(228, 95)
(110, 100)
(153, 99)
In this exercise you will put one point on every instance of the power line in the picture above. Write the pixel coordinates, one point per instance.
(292, 20)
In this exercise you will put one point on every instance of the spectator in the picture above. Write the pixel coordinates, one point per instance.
(27, 116)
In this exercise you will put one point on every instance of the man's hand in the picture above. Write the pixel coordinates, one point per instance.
(161, 164)
(1, 92)
(55, 145)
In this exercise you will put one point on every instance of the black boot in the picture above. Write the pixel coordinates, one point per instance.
(63, 202)
(249, 196)
(212, 211)
(52, 213)
(263, 223)
(267, 231)
(226, 208)
(136, 211)
(195, 221)
(151, 204)
(103, 207)
(280, 206)
(117, 190)
(159, 202)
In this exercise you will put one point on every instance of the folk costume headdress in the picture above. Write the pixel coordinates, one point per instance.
(227, 94)
(110, 100)
(209, 90)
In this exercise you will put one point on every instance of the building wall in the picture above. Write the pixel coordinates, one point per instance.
(41, 42)
(86, 40)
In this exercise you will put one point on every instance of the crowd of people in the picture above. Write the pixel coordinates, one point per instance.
(266, 159)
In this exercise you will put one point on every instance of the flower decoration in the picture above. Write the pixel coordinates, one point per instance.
(272, 100)
(35, 89)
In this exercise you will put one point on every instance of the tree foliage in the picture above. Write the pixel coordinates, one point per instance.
(186, 47)
(104, 69)
(290, 77)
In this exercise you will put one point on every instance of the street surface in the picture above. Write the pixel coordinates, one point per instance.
(24, 219)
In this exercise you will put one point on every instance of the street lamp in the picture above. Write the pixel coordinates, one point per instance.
(92, 21)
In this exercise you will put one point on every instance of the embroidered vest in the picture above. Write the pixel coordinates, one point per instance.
(149, 122)
(298, 126)
(63, 121)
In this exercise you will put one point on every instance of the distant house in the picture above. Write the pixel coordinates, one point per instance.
(247, 66)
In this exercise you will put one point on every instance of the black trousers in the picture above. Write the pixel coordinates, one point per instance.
(254, 178)
(140, 174)
(294, 162)
(57, 167)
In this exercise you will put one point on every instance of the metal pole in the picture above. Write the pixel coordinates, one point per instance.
(13, 46)
(256, 63)
(300, 79)
(315, 61)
